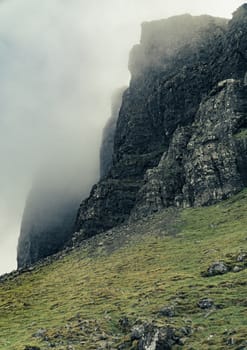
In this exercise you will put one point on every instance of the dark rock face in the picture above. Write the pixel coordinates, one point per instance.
(109, 204)
(203, 162)
(47, 222)
(106, 150)
(148, 336)
(180, 137)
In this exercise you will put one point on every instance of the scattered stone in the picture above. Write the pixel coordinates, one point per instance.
(148, 336)
(200, 329)
(230, 341)
(242, 346)
(217, 268)
(186, 331)
(205, 303)
(137, 332)
(124, 324)
(30, 347)
(40, 333)
(241, 257)
(237, 268)
(103, 336)
(183, 341)
(230, 332)
(167, 311)
(210, 337)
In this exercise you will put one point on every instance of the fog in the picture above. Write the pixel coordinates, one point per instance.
(60, 62)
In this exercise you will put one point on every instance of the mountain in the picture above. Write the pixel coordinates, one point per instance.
(50, 210)
(176, 136)
(157, 255)
(180, 135)
(47, 222)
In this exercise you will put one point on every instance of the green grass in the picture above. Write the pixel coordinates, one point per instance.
(82, 296)
(242, 134)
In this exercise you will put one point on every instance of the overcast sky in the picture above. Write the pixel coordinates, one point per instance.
(60, 61)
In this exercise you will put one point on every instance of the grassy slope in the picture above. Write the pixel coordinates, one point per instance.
(80, 297)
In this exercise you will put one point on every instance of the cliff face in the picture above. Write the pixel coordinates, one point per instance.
(177, 135)
(48, 220)
(180, 137)
(205, 162)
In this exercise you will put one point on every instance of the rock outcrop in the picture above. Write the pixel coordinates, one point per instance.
(48, 219)
(181, 134)
(205, 162)
(147, 336)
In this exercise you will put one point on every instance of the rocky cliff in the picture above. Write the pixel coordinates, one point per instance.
(181, 134)
(177, 136)
(48, 218)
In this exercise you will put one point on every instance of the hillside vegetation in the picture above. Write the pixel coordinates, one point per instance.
(91, 297)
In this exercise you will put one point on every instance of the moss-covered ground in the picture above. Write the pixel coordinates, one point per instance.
(76, 302)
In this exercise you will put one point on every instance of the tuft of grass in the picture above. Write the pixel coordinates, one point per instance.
(79, 299)
(242, 134)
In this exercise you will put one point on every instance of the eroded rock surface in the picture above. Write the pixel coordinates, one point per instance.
(181, 137)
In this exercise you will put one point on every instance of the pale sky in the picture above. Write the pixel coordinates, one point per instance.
(60, 62)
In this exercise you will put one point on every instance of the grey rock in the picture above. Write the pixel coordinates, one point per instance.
(124, 324)
(241, 257)
(40, 333)
(230, 341)
(237, 268)
(167, 311)
(186, 331)
(151, 337)
(205, 303)
(242, 346)
(217, 268)
(137, 332)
